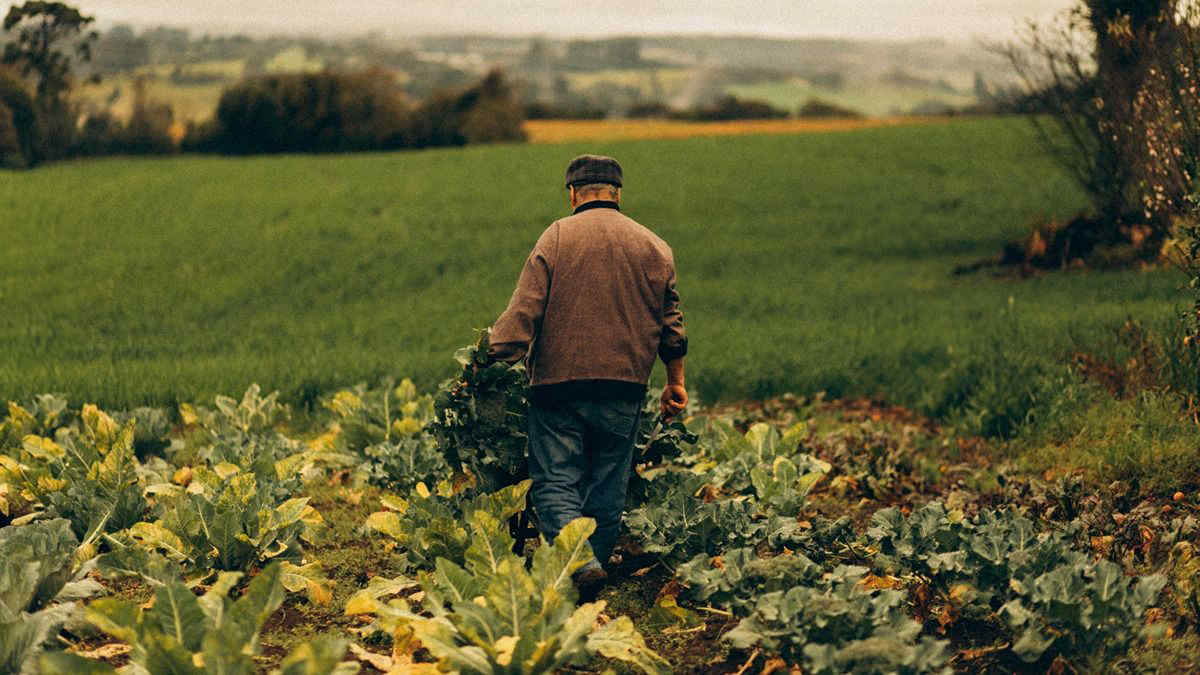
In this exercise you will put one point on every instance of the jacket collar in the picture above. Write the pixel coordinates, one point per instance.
(597, 204)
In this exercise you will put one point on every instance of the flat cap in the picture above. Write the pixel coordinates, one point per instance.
(589, 169)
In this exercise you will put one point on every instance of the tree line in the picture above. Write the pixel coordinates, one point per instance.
(318, 112)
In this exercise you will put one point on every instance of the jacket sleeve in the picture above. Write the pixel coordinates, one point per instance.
(674, 341)
(518, 326)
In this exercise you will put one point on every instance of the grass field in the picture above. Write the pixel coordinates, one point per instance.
(807, 262)
(874, 99)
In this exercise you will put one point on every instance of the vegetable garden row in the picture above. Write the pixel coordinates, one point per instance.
(775, 537)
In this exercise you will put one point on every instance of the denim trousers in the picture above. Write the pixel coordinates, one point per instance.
(580, 456)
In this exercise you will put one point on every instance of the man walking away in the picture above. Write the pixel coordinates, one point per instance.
(594, 306)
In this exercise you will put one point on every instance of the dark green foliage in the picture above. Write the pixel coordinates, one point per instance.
(816, 108)
(485, 113)
(46, 34)
(314, 112)
(344, 112)
(46, 39)
(19, 129)
(732, 108)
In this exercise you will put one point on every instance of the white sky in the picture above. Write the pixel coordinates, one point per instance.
(898, 19)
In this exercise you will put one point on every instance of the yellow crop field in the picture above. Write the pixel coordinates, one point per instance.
(562, 131)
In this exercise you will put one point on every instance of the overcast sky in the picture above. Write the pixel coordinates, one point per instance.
(955, 19)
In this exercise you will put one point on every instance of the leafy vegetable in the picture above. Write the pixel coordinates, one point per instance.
(491, 615)
(839, 626)
(39, 575)
(227, 521)
(480, 418)
(185, 634)
(432, 526)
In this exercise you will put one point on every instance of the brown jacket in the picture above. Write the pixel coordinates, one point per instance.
(596, 300)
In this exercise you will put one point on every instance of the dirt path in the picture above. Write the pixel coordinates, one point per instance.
(560, 131)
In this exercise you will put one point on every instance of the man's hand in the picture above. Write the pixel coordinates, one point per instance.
(674, 400)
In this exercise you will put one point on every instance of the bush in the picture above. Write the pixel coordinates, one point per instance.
(733, 108)
(311, 112)
(346, 112)
(10, 142)
(18, 124)
(148, 131)
(485, 113)
(816, 108)
(551, 111)
(654, 109)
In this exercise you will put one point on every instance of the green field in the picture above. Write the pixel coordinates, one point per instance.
(873, 98)
(806, 263)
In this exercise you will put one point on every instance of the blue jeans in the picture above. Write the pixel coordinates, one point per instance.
(580, 456)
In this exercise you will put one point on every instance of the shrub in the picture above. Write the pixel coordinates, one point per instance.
(311, 112)
(552, 111)
(733, 108)
(18, 124)
(817, 108)
(485, 113)
(10, 142)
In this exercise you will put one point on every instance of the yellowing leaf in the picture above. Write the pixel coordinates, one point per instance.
(397, 504)
(326, 441)
(874, 583)
(406, 391)
(98, 423)
(155, 536)
(183, 476)
(504, 649)
(188, 414)
(48, 484)
(225, 469)
(406, 426)
(386, 522)
(361, 603)
(346, 403)
(42, 448)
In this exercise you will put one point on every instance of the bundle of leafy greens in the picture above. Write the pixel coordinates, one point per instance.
(479, 417)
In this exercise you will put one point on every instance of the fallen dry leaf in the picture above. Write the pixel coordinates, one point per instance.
(874, 582)
(376, 661)
(108, 651)
(773, 665)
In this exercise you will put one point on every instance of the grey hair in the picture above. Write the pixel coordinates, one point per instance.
(612, 190)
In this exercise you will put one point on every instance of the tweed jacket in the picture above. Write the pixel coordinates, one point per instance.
(596, 301)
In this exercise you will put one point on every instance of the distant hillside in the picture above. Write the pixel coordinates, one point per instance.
(593, 78)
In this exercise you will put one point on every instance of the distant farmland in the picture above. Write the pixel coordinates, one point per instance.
(561, 131)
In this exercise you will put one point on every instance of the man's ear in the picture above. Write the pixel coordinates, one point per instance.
(571, 195)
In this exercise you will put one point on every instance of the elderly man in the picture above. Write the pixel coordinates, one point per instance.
(594, 306)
